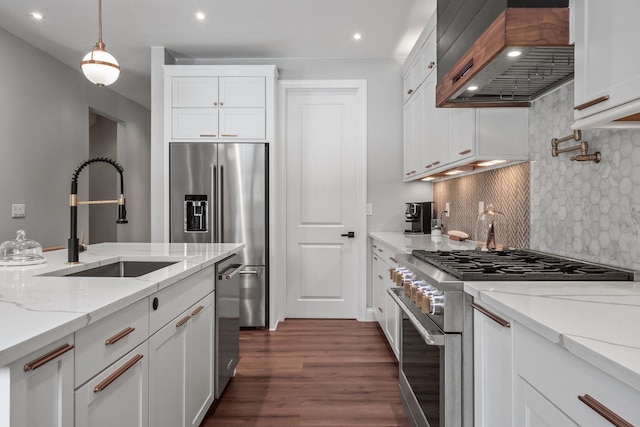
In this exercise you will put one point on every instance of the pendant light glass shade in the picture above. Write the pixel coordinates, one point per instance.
(99, 66)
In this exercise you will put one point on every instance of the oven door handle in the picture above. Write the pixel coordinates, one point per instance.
(426, 335)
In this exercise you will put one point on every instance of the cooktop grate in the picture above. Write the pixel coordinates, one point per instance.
(519, 265)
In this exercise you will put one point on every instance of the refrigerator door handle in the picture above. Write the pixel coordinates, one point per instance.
(250, 272)
(215, 213)
(221, 201)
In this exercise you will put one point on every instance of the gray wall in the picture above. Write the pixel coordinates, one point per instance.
(386, 191)
(582, 209)
(44, 123)
(103, 138)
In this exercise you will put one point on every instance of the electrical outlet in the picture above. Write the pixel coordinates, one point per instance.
(447, 210)
(480, 207)
(18, 210)
(369, 208)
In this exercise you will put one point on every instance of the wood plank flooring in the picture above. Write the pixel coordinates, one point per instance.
(312, 372)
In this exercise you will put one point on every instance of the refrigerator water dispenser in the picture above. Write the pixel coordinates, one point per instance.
(195, 213)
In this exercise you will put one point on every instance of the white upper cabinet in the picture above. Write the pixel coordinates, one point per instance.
(607, 80)
(219, 103)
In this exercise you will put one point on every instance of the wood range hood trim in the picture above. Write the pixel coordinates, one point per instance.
(514, 27)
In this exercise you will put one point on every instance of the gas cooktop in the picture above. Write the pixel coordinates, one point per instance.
(519, 265)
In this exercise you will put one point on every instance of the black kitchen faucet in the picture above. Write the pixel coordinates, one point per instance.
(73, 246)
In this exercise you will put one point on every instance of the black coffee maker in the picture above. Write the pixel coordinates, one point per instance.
(418, 217)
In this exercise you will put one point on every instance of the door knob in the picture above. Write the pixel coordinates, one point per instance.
(350, 235)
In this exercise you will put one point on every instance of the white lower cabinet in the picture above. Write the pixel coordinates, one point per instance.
(182, 367)
(39, 388)
(555, 385)
(493, 343)
(118, 395)
(386, 310)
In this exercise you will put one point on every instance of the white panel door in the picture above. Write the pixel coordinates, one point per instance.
(322, 203)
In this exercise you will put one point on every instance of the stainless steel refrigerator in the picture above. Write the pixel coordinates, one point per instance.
(219, 194)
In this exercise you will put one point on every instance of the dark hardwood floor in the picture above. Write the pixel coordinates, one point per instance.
(312, 373)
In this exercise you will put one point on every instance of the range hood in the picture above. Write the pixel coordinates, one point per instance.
(487, 75)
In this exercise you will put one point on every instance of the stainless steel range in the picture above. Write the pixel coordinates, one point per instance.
(436, 344)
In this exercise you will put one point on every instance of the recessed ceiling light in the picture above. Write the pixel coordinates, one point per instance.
(37, 16)
(472, 88)
(357, 36)
(514, 53)
(200, 16)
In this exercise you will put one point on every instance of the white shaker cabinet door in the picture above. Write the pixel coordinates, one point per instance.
(242, 92)
(40, 387)
(194, 123)
(194, 92)
(118, 396)
(242, 123)
(534, 410)
(606, 64)
(201, 364)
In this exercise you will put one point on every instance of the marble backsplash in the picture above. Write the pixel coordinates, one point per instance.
(506, 188)
(581, 209)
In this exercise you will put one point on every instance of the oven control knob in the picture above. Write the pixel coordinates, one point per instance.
(437, 304)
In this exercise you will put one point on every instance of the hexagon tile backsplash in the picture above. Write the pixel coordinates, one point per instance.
(581, 209)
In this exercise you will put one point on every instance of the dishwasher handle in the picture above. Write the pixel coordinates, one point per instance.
(230, 272)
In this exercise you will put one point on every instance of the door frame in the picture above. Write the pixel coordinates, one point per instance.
(278, 289)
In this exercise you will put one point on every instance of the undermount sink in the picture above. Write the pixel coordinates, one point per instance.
(122, 269)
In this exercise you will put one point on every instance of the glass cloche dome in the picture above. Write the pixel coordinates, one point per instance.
(21, 251)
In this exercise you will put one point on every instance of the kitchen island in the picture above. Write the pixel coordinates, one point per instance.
(41, 311)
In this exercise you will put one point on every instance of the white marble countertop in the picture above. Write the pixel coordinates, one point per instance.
(405, 243)
(36, 310)
(596, 321)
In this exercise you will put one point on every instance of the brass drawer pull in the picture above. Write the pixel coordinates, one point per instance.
(375, 258)
(121, 370)
(380, 310)
(462, 153)
(393, 259)
(410, 91)
(591, 103)
(380, 250)
(605, 412)
(206, 135)
(182, 321)
(228, 135)
(436, 163)
(410, 173)
(197, 310)
(380, 277)
(47, 357)
(428, 166)
(117, 337)
(374, 246)
(499, 320)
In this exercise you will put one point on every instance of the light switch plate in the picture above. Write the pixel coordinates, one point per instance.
(369, 208)
(18, 210)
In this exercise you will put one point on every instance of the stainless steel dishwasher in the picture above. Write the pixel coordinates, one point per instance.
(227, 321)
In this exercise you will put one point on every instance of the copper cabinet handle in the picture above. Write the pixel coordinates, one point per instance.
(491, 316)
(410, 91)
(121, 370)
(436, 163)
(208, 135)
(221, 103)
(409, 173)
(605, 412)
(428, 166)
(375, 258)
(182, 321)
(380, 310)
(372, 245)
(44, 359)
(591, 103)
(380, 250)
(197, 310)
(431, 64)
(228, 135)
(215, 103)
(380, 277)
(117, 337)
(393, 259)
(462, 153)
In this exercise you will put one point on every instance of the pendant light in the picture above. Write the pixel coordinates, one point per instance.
(99, 66)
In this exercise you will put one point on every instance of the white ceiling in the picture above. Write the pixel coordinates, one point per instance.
(232, 29)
